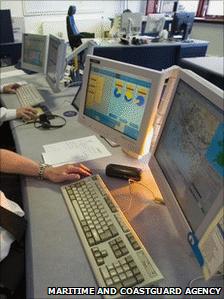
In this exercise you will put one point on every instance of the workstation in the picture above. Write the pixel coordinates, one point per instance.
(159, 217)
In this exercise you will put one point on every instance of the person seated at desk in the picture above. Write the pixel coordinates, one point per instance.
(26, 113)
(12, 222)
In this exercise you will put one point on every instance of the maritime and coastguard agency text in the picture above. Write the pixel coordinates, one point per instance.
(207, 292)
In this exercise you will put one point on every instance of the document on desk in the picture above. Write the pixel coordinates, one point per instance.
(211, 246)
(74, 151)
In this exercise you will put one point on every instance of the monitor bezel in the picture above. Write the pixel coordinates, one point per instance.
(151, 18)
(60, 65)
(136, 18)
(215, 96)
(141, 145)
(29, 66)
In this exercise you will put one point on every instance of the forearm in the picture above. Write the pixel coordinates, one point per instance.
(11, 162)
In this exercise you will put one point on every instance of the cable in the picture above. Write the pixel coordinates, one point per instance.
(155, 199)
(23, 124)
(202, 277)
(44, 122)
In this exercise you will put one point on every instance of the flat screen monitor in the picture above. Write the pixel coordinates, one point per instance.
(131, 22)
(187, 161)
(119, 102)
(154, 24)
(34, 51)
(56, 62)
(182, 24)
(6, 31)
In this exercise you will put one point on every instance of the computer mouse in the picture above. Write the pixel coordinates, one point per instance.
(123, 172)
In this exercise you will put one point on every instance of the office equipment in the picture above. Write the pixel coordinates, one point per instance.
(187, 160)
(119, 101)
(131, 23)
(6, 32)
(123, 172)
(117, 256)
(34, 52)
(154, 24)
(182, 24)
(55, 62)
(28, 95)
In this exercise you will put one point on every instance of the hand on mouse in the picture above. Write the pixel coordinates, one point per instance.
(26, 113)
(11, 88)
(67, 172)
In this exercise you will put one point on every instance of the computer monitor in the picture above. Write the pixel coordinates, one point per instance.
(34, 51)
(6, 31)
(56, 62)
(131, 23)
(154, 24)
(187, 160)
(182, 24)
(119, 102)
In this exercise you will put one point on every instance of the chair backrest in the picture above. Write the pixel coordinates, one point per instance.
(72, 32)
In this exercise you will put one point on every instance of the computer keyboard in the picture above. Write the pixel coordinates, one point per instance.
(28, 95)
(117, 256)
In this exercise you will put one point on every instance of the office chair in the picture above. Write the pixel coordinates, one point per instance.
(74, 36)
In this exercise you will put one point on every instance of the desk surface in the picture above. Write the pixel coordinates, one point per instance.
(110, 42)
(211, 64)
(54, 254)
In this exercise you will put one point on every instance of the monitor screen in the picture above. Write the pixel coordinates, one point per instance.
(182, 24)
(131, 21)
(154, 24)
(189, 154)
(55, 62)
(6, 31)
(34, 48)
(119, 100)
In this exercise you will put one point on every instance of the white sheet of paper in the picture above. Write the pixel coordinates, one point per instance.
(75, 151)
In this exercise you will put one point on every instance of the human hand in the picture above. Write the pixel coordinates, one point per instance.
(10, 88)
(26, 113)
(67, 172)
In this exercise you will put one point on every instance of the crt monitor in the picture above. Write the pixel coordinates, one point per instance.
(56, 61)
(119, 101)
(131, 22)
(154, 24)
(187, 160)
(182, 24)
(34, 51)
(6, 31)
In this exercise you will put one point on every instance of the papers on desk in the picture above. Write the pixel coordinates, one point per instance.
(12, 73)
(74, 151)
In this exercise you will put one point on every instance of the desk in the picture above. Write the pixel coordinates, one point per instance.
(210, 68)
(54, 255)
(160, 55)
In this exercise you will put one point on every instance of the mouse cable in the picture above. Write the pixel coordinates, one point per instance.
(155, 199)
(202, 277)
(23, 124)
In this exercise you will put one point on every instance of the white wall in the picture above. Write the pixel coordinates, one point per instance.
(91, 16)
(214, 33)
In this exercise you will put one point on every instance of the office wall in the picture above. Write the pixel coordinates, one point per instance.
(214, 33)
(46, 17)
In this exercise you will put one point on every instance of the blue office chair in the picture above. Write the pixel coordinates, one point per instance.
(74, 36)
